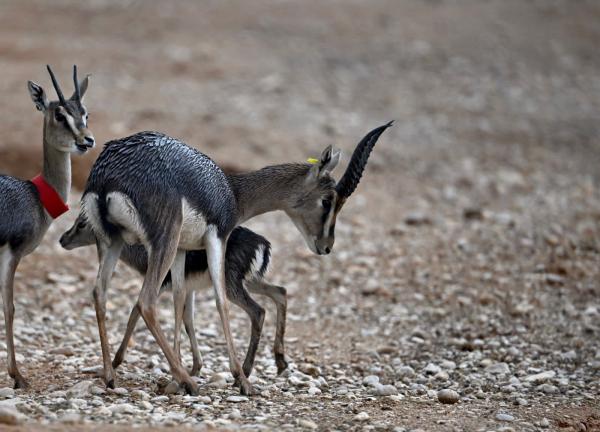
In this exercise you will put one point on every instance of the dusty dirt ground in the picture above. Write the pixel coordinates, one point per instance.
(467, 259)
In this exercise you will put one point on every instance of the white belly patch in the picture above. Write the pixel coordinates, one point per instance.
(193, 228)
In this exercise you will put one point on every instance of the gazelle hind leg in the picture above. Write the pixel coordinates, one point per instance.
(256, 313)
(8, 267)
(134, 316)
(215, 252)
(279, 296)
(188, 321)
(108, 255)
(160, 258)
(179, 296)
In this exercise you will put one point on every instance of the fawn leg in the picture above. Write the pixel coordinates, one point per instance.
(188, 321)
(160, 257)
(179, 296)
(238, 295)
(134, 316)
(108, 255)
(279, 296)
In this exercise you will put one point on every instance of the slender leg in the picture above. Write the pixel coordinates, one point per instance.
(215, 252)
(239, 296)
(8, 267)
(188, 321)
(160, 258)
(134, 316)
(279, 296)
(108, 255)
(179, 297)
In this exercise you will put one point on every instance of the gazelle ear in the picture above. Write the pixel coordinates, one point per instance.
(326, 164)
(38, 96)
(83, 86)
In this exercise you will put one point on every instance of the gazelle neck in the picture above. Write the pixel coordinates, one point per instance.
(268, 189)
(57, 169)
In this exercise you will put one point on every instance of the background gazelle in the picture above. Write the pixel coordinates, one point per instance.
(199, 207)
(24, 218)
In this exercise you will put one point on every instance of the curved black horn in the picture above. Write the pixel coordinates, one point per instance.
(61, 98)
(356, 166)
(76, 84)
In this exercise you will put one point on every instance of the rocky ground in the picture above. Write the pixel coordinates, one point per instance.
(462, 293)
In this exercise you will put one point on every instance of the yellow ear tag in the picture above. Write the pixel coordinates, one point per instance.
(312, 160)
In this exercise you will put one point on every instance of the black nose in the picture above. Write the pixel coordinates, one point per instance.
(90, 141)
(327, 249)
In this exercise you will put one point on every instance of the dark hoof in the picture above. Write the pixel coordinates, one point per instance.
(110, 384)
(282, 365)
(191, 389)
(246, 388)
(195, 370)
(116, 363)
(21, 383)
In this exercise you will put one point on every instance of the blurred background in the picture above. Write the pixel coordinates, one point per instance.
(479, 210)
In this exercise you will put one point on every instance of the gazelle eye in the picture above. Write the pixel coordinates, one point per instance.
(59, 117)
(326, 203)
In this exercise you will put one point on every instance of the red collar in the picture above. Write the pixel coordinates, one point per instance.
(50, 199)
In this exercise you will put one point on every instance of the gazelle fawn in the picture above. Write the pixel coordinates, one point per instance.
(24, 217)
(153, 190)
(246, 261)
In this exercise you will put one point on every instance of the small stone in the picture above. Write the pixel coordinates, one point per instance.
(7, 392)
(498, 369)
(448, 396)
(10, 416)
(310, 369)
(172, 388)
(237, 399)
(541, 377)
(417, 219)
(307, 424)
(314, 391)
(80, 390)
(66, 351)
(544, 423)
(504, 417)
(140, 394)
(121, 391)
(371, 380)
(362, 416)
(123, 408)
(71, 418)
(385, 390)
(547, 388)
(431, 369)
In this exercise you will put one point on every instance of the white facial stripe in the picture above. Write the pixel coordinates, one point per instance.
(71, 123)
(329, 219)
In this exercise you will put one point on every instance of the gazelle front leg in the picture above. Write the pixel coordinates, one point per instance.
(215, 252)
(8, 267)
(108, 255)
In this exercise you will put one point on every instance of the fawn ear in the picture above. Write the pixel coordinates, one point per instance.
(83, 86)
(38, 96)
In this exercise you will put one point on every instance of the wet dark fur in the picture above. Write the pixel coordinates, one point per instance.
(156, 171)
(21, 212)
